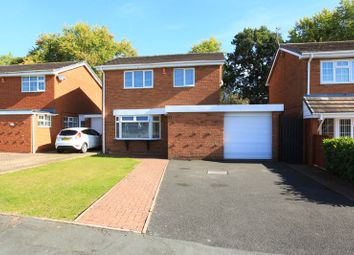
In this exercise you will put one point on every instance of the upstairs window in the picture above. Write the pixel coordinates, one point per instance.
(138, 79)
(33, 84)
(183, 77)
(337, 71)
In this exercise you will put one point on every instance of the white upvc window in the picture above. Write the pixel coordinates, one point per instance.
(33, 84)
(338, 127)
(44, 120)
(70, 122)
(138, 79)
(142, 127)
(183, 77)
(337, 71)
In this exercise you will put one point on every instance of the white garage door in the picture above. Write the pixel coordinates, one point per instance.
(96, 124)
(248, 136)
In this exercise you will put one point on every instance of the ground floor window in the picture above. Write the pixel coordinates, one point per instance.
(70, 122)
(44, 120)
(345, 127)
(338, 127)
(328, 127)
(145, 127)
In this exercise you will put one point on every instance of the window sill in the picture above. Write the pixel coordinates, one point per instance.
(139, 88)
(185, 86)
(337, 83)
(137, 139)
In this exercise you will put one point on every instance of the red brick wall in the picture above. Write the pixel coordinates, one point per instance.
(196, 136)
(288, 84)
(16, 138)
(205, 91)
(13, 98)
(317, 88)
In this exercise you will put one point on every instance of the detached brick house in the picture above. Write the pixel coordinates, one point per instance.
(168, 106)
(38, 100)
(315, 82)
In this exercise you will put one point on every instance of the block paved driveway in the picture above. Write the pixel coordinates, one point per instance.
(14, 161)
(256, 207)
(127, 205)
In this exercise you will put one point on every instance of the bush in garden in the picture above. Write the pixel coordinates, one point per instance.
(339, 154)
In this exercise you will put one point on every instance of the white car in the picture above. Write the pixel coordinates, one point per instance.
(80, 139)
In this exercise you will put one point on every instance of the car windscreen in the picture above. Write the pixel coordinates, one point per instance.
(68, 132)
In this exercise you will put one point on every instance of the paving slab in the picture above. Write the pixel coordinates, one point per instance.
(127, 205)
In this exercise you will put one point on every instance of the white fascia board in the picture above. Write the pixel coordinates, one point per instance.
(331, 115)
(291, 52)
(152, 111)
(32, 73)
(160, 64)
(90, 115)
(271, 69)
(329, 54)
(226, 108)
(16, 112)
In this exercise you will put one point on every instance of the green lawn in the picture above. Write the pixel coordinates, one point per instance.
(61, 190)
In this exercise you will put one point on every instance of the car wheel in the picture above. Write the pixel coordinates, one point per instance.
(84, 148)
(59, 150)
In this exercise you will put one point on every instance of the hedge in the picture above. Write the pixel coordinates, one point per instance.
(339, 154)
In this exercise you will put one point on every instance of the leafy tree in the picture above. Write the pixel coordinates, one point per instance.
(206, 46)
(336, 25)
(247, 68)
(79, 42)
(9, 59)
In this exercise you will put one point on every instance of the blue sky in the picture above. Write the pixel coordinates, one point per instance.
(153, 27)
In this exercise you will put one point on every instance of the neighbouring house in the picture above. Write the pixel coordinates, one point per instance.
(169, 106)
(38, 100)
(315, 82)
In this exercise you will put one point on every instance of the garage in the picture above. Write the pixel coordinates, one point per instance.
(248, 135)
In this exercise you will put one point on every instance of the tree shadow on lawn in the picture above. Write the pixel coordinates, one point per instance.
(299, 187)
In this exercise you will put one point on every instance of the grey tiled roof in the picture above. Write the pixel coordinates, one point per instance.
(319, 46)
(36, 67)
(165, 58)
(334, 103)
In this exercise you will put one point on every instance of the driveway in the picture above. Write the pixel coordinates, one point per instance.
(256, 207)
(14, 161)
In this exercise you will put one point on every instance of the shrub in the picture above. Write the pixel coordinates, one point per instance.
(339, 154)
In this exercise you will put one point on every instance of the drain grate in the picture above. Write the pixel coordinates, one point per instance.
(217, 172)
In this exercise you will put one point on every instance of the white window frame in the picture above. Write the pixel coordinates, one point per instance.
(334, 62)
(337, 127)
(71, 119)
(119, 120)
(143, 87)
(33, 91)
(42, 122)
(184, 78)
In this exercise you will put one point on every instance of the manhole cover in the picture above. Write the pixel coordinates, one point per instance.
(218, 172)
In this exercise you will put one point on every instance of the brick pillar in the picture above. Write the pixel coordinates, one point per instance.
(275, 136)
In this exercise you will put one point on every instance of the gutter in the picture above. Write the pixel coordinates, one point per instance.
(103, 113)
(309, 75)
(33, 135)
